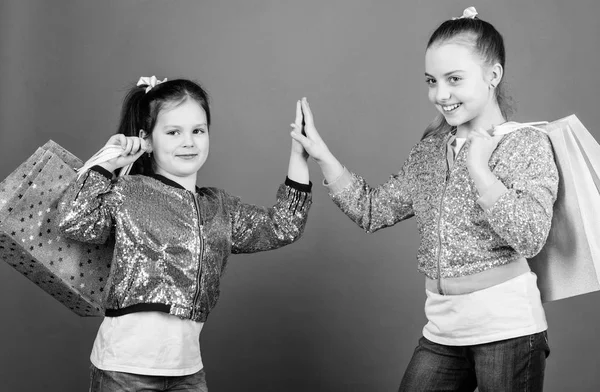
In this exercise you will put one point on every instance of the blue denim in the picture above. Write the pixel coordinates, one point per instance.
(507, 365)
(109, 381)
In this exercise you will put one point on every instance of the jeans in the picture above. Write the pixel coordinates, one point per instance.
(109, 381)
(508, 365)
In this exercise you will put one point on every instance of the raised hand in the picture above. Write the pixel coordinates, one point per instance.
(307, 135)
(133, 147)
(312, 142)
(481, 148)
(298, 125)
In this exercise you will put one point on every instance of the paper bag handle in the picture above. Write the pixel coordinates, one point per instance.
(105, 154)
(509, 127)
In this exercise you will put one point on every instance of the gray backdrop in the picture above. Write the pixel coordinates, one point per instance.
(340, 310)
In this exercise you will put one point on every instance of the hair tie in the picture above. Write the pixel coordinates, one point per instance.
(150, 82)
(468, 13)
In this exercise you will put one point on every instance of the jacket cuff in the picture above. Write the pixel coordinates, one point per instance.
(298, 186)
(490, 196)
(103, 171)
(340, 183)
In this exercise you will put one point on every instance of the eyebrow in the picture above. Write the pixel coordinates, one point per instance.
(179, 126)
(447, 73)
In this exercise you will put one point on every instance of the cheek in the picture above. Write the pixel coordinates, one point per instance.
(204, 143)
(431, 94)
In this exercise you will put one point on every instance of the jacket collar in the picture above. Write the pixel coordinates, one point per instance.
(169, 182)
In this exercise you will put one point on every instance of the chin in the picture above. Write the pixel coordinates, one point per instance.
(453, 121)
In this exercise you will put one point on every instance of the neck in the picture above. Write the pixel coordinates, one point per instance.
(485, 121)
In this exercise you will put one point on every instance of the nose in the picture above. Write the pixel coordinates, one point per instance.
(188, 140)
(442, 93)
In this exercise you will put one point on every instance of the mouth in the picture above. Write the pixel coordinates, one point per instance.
(187, 156)
(450, 108)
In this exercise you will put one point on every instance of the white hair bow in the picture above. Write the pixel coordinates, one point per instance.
(468, 13)
(150, 82)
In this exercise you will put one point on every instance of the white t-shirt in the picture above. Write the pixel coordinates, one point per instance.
(507, 310)
(150, 343)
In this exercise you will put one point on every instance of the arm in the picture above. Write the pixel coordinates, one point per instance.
(256, 228)
(85, 211)
(370, 208)
(519, 204)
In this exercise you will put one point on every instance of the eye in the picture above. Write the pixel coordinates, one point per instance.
(454, 79)
(199, 130)
(430, 81)
(173, 132)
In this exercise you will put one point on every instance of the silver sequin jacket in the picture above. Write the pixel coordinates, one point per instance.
(459, 237)
(172, 245)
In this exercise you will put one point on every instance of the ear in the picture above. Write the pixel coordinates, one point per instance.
(495, 74)
(147, 138)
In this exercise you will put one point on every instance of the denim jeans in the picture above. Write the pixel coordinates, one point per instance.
(109, 381)
(508, 365)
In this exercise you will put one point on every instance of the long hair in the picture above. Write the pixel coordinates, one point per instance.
(487, 42)
(140, 111)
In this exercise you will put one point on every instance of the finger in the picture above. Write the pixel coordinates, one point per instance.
(127, 147)
(143, 144)
(299, 117)
(136, 145)
(497, 138)
(484, 132)
(308, 116)
(300, 139)
(298, 128)
(116, 140)
(137, 155)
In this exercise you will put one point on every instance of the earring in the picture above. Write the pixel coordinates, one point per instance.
(492, 85)
(150, 154)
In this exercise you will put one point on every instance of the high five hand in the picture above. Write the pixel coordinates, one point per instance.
(307, 135)
(298, 125)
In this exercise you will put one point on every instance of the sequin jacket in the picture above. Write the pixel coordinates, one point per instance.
(172, 245)
(458, 236)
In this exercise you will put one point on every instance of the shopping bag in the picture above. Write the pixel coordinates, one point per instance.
(569, 263)
(74, 273)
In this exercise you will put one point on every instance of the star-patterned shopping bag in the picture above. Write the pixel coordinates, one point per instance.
(72, 272)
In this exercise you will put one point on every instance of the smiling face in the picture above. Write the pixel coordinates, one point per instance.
(459, 85)
(180, 142)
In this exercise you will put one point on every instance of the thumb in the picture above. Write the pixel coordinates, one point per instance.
(300, 139)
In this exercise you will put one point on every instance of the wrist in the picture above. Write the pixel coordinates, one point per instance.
(327, 159)
(299, 155)
(482, 176)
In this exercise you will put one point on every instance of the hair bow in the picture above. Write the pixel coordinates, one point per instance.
(468, 13)
(150, 82)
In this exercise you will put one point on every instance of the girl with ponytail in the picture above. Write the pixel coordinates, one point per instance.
(172, 238)
(483, 205)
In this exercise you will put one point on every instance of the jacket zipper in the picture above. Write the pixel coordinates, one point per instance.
(439, 269)
(199, 275)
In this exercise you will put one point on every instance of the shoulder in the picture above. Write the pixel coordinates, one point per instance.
(427, 146)
(525, 137)
(431, 141)
(525, 145)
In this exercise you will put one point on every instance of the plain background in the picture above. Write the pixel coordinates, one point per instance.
(339, 310)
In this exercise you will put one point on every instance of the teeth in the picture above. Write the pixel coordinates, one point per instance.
(451, 107)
